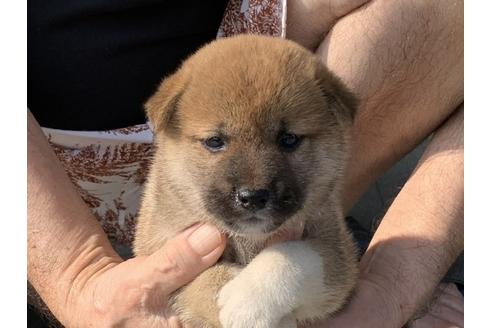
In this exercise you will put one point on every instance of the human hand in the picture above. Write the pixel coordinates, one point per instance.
(373, 304)
(369, 306)
(411, 250)
(135, 293)
(447, 311)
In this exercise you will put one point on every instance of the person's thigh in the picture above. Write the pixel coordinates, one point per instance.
(404, 59)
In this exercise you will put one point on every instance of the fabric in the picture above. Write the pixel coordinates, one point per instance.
(254, 17)
(93, 63)
(108, 168)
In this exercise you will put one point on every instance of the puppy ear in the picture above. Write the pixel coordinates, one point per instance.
(344, 101)
(162, 106)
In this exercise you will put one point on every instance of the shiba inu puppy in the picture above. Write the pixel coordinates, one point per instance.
(251, 135)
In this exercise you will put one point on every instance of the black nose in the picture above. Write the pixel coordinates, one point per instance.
(253, 199)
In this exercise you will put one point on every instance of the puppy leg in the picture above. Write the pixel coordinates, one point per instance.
(272, 286)
(308, 279)
(196, 303)
(334, 244)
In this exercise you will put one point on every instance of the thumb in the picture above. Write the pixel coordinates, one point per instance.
(184, 257)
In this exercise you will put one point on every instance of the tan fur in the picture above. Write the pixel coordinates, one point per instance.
(247, 87)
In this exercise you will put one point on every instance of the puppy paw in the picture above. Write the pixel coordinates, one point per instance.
(240, 306)
(281, 279)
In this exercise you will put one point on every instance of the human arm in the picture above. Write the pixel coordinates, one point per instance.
(309, 21)
(417, 241)
(72, 265)
(404, 59)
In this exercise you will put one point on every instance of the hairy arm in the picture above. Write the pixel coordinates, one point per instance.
(308, 21)
(404, 59)
(66, 245)
(73, 267)
(418, 240)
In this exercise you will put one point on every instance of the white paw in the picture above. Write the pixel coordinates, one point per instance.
(241, 307)
(281, 279)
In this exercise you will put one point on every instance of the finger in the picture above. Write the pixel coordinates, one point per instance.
(430, 321)
(446, 311)
(451, 297)
(183, 258)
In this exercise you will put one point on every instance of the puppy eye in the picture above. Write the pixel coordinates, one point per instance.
(289, 141)
(214, 143)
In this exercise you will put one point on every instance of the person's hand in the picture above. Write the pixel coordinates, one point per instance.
(135, 293)
(447, 311)
(371, 304)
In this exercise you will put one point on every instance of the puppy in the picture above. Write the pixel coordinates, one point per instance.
(251, 135)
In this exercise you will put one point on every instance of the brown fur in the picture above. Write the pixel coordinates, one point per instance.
(248, 89)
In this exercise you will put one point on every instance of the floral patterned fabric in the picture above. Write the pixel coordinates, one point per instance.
(254, 17)
(108, 168)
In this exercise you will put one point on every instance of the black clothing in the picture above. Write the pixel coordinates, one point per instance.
(93, 63)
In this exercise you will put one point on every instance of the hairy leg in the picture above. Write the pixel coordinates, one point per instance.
(196, 302)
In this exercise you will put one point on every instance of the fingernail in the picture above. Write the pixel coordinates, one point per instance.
(205, 239)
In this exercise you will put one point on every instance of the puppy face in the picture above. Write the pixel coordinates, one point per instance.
(250, 131)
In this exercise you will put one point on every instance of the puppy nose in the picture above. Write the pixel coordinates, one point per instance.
(253, 199)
